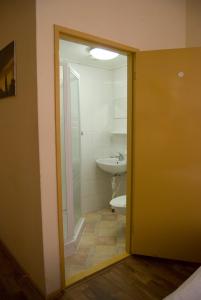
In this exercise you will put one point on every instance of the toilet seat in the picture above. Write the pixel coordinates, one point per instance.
(118, 202)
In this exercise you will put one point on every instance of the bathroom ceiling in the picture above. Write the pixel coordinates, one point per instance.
(79, 53)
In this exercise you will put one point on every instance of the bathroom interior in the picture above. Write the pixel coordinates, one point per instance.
(93, 124)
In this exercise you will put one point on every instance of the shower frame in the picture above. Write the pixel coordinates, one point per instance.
(93, 41)
(74, 230)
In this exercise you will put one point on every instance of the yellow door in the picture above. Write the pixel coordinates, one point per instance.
(167, 136)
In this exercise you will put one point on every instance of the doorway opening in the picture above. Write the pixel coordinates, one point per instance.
(93, 96)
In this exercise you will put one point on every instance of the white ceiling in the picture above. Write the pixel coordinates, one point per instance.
(79, 53)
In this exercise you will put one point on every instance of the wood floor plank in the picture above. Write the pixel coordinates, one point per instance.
(128, 286)
(134, 278)
(138, 278)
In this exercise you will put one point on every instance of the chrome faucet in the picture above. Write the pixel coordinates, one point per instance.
(120, 156)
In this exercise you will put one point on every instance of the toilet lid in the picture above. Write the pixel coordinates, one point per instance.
(119, 201)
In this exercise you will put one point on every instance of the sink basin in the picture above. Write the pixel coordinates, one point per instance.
(112, 165)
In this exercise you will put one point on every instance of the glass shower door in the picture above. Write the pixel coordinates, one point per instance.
(70, 151)
(75, 142)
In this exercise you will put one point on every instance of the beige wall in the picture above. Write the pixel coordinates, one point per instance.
(144, 24)
(20, 211)
(193, 23)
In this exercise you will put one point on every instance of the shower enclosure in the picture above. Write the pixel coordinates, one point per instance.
(70, 157)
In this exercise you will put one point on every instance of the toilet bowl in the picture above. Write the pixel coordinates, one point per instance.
(119, 204)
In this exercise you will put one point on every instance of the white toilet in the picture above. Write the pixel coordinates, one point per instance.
(119, 204)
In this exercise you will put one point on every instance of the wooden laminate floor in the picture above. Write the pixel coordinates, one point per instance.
(134, 278)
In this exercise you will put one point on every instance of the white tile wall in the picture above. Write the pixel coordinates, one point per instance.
(119, 141)
(96, 121)
(119, 78)
(98, 90)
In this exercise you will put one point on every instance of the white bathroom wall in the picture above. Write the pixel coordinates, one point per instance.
(119, 120)
(103, 111)
(96, 120)
(119, 123)
(119, 76)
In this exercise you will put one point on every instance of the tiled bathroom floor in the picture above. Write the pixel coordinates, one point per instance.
(103, 237)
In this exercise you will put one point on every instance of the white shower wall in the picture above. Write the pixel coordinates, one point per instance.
(119, 126)
(99, 91)
(96, 110)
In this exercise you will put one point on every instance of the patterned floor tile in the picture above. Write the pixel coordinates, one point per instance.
(103, 237)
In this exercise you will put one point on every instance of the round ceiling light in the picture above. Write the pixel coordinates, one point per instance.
(103, 54)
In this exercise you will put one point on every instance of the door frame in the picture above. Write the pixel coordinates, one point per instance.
(80, 37)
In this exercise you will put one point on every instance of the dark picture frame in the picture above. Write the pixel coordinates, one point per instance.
(7, 71)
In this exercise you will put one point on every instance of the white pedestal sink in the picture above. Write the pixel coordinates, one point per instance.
(112, 165)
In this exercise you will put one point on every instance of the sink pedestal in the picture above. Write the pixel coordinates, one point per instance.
(115, 185)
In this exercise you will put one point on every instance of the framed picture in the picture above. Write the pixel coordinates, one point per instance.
(7, 71)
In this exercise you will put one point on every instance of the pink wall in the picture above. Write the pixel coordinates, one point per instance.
(142, 24)
(193, 23)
